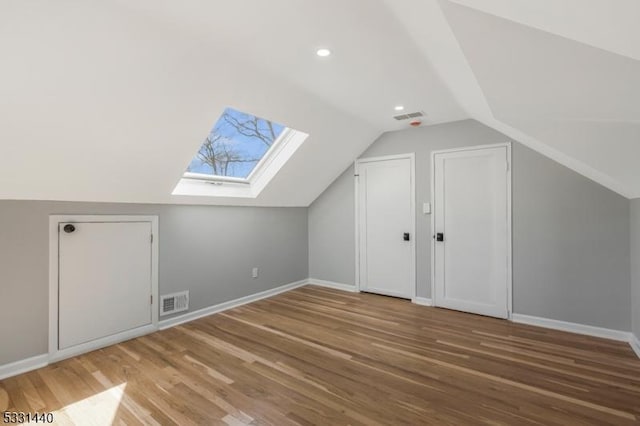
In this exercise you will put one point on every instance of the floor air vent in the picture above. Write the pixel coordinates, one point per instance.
(175, 302)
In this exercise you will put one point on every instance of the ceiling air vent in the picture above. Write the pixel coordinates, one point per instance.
(409, 115)
(175, 302)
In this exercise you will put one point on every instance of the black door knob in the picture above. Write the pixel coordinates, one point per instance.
(69, 228)
(439, 236)
(406, 236)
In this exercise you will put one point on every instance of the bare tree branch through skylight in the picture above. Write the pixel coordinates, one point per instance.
(235, 145)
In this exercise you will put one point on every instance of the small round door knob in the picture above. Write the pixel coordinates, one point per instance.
(69, 228)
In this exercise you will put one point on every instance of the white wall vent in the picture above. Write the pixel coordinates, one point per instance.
(409, 115)
(174, 302)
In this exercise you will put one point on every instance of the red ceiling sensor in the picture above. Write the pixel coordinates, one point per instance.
(415, 123)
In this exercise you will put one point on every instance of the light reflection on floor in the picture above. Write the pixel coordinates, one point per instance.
(97, 410)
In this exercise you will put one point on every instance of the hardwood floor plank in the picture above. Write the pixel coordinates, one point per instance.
(317, 356)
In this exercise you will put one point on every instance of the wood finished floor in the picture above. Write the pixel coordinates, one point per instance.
(319, 356)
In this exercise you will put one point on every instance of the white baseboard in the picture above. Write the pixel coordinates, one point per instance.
(39, 361)
(60, 354)
(589, 330)
(334, 285)
(181, 319)
(635, 344)
(24, 365)
(424, 301)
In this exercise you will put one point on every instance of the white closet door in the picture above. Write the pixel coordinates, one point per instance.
(471, 230)
(386, 217)
(104, 280)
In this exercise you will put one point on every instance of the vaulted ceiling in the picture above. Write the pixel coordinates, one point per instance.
(109, 100)
(562, 76)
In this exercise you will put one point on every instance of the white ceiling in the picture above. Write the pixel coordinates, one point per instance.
(109, 100)
(561, 76)
(607, 24)
(538, 75)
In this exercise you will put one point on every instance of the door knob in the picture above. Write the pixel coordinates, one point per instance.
(406, 236)
(69, 228)
(439, 236)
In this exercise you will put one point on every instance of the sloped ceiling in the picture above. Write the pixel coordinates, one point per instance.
(108, 100)
(582, 100)
(562, 76)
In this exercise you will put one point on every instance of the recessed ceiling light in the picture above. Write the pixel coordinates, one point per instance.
(398, 107)
(323, 52)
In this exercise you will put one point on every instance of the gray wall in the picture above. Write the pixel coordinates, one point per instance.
(331, 232)
(207, 250)
(635, 266)
(571, 258)
(570, 235)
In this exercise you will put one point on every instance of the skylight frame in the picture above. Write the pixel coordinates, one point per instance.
(271, 153)
(264, 161)
(214, 178)
(280, 152)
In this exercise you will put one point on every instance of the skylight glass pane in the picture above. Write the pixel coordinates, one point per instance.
(235, 145)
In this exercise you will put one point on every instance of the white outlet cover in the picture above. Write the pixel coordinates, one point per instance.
(426, 208)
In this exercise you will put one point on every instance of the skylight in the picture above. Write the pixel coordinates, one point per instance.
(235, 146)
(239, 156)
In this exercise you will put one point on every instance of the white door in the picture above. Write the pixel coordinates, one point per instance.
(386, 220)
(472, 234)
(104, 280)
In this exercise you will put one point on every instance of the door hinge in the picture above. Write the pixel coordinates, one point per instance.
(151, 238)
(151, 300)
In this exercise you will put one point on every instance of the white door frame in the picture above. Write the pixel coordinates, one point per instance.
(509, 234)
(54, 353)
(412, 159)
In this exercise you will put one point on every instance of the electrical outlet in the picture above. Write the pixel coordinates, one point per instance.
(254, 273)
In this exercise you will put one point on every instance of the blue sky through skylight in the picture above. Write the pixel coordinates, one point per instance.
(235, 145)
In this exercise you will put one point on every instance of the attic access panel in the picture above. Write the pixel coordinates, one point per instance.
(234, 147)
